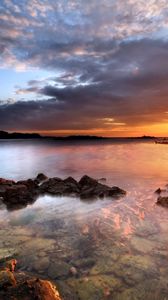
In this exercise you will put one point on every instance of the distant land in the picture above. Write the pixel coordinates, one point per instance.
(19, 135)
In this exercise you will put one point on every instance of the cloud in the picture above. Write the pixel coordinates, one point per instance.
(108, 60)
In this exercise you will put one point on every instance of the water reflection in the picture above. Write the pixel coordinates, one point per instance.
(118, 247)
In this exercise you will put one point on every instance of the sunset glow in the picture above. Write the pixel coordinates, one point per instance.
(72, 67)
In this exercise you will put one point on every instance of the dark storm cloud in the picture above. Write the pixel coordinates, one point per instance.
(110, 61)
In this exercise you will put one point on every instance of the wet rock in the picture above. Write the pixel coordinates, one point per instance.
(37, 245)
(19, 194)
(40, 178)
(30, 289)
(91, 188)
(29, 183)
(158, 191)
(41, 264)
(6, 279)
(163, 201)
(6, 253)
(71, 180)
(85, 263)
(87, 181)
(19, 286)
(143, 245)
(42, 290)
(6, 181)
(116, 192)
(57, 186)
(11, 265)
(73, 271)
(58, 270)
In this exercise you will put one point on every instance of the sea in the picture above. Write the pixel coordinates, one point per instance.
(113, 249)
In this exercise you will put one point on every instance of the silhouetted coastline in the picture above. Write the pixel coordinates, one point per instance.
(19, 135)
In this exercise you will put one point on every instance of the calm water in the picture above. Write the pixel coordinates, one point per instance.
(118, 247)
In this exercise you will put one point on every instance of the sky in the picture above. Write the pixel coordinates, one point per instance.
(84, 67)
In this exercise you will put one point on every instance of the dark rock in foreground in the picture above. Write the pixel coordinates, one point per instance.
(16, 195)
(19, 286)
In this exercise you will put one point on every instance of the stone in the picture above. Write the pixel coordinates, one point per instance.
(16, 195)
(40, 178)
(71, 180)
(116, 192)
(91, 188)
(73, 271)
(57, 186)
(42, 290)
(87, 181)
(163, 201)
(41, 264)
(25, 287)
(58, 270)
(6, 181)
(6, 279)
(29, 183)
(30, 289)
(11, 264)
(158, 191)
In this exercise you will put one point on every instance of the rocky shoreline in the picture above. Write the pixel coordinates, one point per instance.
(18, 194)
(16, 284)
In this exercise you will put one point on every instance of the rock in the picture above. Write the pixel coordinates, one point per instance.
(73, 271)
(6, 279)
(85, 263)
(42, 290)
(30, 289)
(163, 201)
(57, 186)
(58, 270)
(24, 288)
(158, 191)
(16, 195)
(6, 181)
(71, 180)
(91, 188)
(116, 192)
(87, 181)
(41, 264)
(40, 178)
(11, 264)
(29, 183)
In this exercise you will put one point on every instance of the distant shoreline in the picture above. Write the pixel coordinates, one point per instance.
(17, 135)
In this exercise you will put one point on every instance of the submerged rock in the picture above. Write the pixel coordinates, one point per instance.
(58, 270)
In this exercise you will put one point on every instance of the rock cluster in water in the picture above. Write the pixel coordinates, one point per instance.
(21, 193)
(19, 286)
(162, 198)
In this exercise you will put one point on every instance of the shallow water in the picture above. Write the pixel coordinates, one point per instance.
(118, 247)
